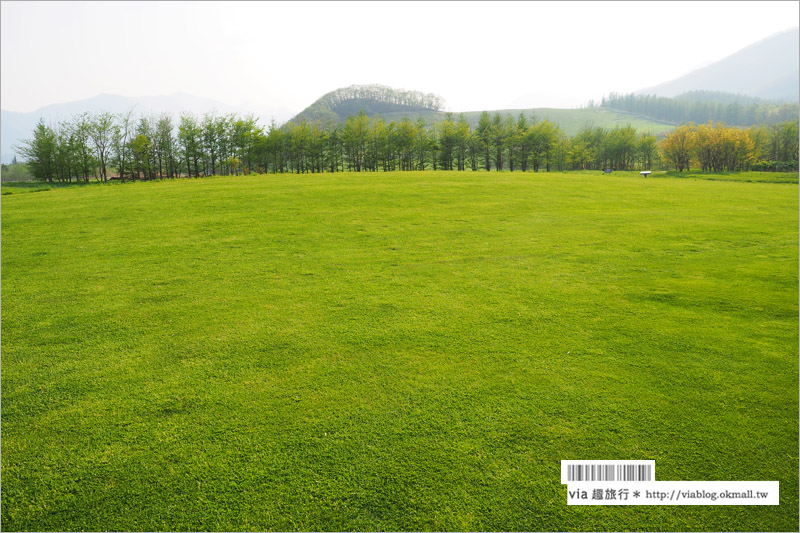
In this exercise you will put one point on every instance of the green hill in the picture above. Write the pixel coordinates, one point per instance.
(337, 105)
(571, 121)
(395, 105)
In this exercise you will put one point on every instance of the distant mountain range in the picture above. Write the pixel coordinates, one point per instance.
(766, 69)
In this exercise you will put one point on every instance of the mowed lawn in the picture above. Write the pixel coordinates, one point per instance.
(394, 351)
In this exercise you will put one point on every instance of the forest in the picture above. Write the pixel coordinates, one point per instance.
(704, 106)
(123, 147)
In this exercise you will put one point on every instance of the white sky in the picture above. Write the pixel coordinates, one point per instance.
(284, 55)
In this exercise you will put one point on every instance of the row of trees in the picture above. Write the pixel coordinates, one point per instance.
(383, 93)
(149, 147)
(695, 108)
(146, 147)
(719, 148)
(123, 146)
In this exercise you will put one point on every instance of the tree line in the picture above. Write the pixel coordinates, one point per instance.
(718, 148)
(699, 109)
(104, 146)
(383, 93)
(375, 99)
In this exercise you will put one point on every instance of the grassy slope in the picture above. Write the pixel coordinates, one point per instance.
(394, 351)
(571, 121)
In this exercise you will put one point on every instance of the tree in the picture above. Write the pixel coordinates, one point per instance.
(211, 143)
(461, 140)
(142, 148)
(299, 135)
(63, 158)
(446, 135)
(542, 139)
(620, 147)
(101, 133)
(499, 134)
(422, 143)
(484, 134)
(354, 137)
(511, 140)
(523, 142)
(120, 147)
(164, 144)
(189, 136)
(333, 149)
(646, 150)
(406, 137)
(40, 152)
(677, 147)
(787, 133)
(561, 150)
(87, 163)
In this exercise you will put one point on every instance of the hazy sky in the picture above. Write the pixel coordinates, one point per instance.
(284, 55)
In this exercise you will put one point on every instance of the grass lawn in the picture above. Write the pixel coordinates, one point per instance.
(752, 176)
(17, 187)
(399, 351)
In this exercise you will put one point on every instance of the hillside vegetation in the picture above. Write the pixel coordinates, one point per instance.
(337, 105)
(705, 106)
(395, 105)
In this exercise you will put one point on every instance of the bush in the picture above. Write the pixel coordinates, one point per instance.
(775, 166)
(15, 172)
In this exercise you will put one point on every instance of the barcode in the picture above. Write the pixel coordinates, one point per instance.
(573, 471)
(609, 473)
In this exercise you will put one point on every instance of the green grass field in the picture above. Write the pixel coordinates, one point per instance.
(752, 176)
(400, 351)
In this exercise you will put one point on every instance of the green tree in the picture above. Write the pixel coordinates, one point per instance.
(422, 144)
(40, 152)
(499, 136)
(463, 136)
(646, 150)
(87, 163)
(101, 133)
(120, 142)
(484, 134)
(164, 144)
(446, 136)
(542, 139)
(522, 141)
(354, 137)
(189, 135)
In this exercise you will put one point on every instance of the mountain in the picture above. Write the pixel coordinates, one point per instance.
(14, 126)
(766, 69)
